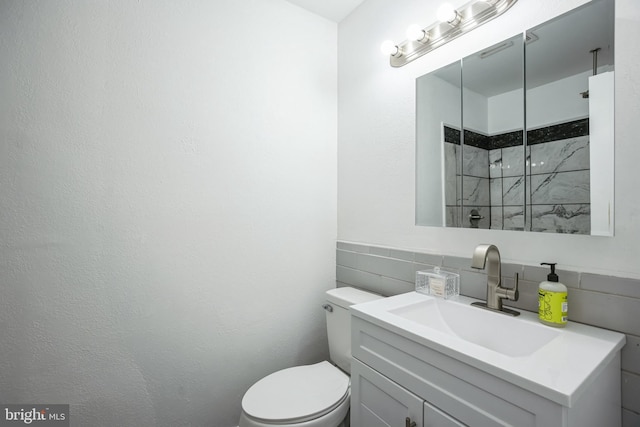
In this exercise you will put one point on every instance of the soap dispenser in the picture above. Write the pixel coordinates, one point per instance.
(552, 300)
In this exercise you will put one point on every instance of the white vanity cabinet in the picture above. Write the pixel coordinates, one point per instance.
(376, 401)
(383, 403)
(394, 377)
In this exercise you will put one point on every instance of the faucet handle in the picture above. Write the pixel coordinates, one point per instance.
(513, 294)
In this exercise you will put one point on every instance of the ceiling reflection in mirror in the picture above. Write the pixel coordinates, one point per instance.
(525, 160)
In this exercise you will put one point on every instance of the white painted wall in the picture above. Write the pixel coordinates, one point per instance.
(438, 102)
(476, 111)
(376, 133)
(549, 104)
(167, 203)
(558, 102)
(506, 112)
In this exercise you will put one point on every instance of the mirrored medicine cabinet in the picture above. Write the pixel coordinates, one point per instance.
(519, 136)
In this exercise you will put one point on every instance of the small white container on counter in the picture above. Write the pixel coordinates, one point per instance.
(437, 282)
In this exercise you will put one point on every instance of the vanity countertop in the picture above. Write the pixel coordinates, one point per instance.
(560, 368)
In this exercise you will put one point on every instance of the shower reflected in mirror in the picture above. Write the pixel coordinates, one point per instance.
(498, 151)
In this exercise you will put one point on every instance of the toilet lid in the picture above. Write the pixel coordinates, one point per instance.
(297, 394)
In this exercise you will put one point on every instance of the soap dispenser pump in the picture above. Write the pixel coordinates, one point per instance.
(552, 300)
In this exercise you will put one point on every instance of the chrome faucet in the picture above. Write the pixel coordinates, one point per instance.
(495, 292)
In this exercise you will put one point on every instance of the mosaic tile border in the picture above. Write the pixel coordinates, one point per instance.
(561, 131)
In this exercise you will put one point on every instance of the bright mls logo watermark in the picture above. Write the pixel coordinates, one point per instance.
(37, 415)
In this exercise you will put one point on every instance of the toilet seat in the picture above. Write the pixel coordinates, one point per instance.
(296, 395)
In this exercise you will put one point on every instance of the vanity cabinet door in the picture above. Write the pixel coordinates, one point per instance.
(377, 401)
(433, 417)
(473, 397)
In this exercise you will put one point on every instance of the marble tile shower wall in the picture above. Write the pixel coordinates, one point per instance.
(560, 191)
(506, 172)
(558, 196)
(605, 301)
(473, 192)
(492, 179)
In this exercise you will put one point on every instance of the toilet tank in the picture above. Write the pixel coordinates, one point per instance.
(339, 322)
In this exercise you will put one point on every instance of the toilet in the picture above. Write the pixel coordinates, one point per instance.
(315, 395)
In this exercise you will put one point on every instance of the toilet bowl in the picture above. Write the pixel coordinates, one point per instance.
(315, 395)
(303, 396)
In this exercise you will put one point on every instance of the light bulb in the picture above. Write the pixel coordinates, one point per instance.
(389, 48)
(414, 32)
(447, 13)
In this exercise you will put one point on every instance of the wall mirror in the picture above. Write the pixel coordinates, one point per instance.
(519, 136)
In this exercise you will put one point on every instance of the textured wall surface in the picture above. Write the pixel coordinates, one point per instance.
(376, 138)
(167, 203)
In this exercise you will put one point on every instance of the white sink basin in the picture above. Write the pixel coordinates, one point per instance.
(495, 331)
(554, 362)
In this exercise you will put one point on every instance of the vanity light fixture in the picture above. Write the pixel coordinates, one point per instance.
(415, 33)
(452, 23)
(448, 14)
(389, 48)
